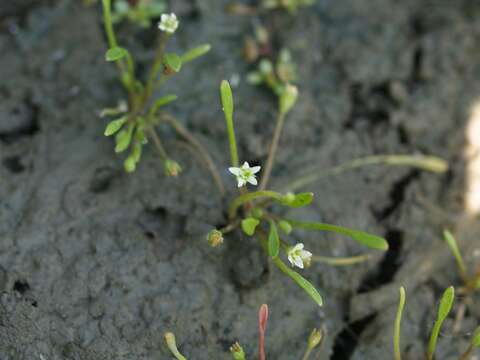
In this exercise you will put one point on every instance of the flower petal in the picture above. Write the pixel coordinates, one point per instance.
(252, 180)
(298, 262)
(255, 169)
(245, 165)
(234, 170)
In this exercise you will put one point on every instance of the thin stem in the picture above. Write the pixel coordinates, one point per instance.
(107, 21)
(158, 143)
(307, 354)
(247, 197)
(341, 261)
(467, 354)
(185, 134)
(157, 64)
(428, 163)
(112, 41)
(273, 151)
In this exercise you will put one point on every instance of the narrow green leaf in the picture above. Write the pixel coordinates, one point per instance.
(297, 200)
(116, 53)
(300, 280)
(398, 321)
(453, 245)
(227, 107)
(115, 125)
(172, 61)
(195, 53)
(227, 100)
(476, 338)
(371, 241)
(446, 304)
(273, 240)
(249, 225)
(165, 100)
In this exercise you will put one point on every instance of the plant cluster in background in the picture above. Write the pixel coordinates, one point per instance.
(236, 350)
(446, 304)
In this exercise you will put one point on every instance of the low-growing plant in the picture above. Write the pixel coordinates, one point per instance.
(446, 304)
(255, 212)
(138, 117)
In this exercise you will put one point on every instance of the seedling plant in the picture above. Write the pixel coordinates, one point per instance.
(446, 304)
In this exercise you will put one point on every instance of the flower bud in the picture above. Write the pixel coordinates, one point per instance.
(315, 338)
(215, 238)
(172, 168)
(285, 226)
(237, 351)
(288, 98)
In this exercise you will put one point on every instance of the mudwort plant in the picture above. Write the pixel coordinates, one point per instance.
(137, 118)
(444, 308)
(256, 212)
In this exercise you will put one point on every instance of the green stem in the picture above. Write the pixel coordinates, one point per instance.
(247, 197)
(112, 41)
(341, 261)
(107, 20)
(157, 64)
(307, 354)
(273, 151)
(158, 144)
(429, 163)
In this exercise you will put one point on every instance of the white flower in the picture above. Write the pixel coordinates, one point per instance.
(168, 23)
(245, 174)
(299, 257)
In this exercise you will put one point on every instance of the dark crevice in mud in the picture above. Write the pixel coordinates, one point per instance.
(28, 129)
(403, 136)
(418, 29)
(397, 195)
(371, 105)
(347, 340)
(21, 286)
(416, 76)
(102, 179)
(389, 265)
(13, 164)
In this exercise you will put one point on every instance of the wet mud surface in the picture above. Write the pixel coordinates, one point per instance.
(97, 264)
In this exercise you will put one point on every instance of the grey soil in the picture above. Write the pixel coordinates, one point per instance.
(97, 264)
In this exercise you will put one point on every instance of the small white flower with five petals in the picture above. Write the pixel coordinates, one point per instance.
(245, 174)
(168, 23)
(298, 256)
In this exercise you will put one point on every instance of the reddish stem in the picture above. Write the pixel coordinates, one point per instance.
(262, 327)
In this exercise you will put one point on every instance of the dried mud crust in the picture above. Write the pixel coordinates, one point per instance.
(96, 264)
